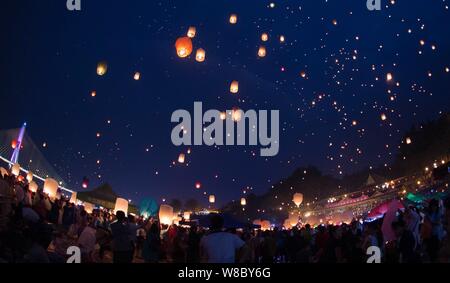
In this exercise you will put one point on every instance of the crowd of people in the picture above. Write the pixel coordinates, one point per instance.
(35, 228)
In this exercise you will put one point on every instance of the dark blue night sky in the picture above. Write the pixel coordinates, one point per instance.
(330, 118)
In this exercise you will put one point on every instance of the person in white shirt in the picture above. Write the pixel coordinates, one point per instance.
(218, 246)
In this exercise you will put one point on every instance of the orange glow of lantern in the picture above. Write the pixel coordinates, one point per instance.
(137, 76)
(15, 169)
(165, 214)
(51, 187)
(200, 55)
(102, 68)
(187, 215)
(262, 51)
(191, 32)
(33, 187)
(264, 37)
(243, 201)
(181, 158)
(73, 197)
(282, 39)
(14, 144)
(183, 45)
(298, 199)
(408, 141)
(234, 87)
(233, 19)
(29, 176)
(265, 225)
(212, 199)
(121, 204)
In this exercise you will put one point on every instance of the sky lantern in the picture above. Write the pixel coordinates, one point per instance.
(14, 144)
(181, 158)
(243, 201)
(121, 204)
(282, 39)
(191, 32)
(137, 76)
(233, 19)
(389, 77)
(15, 169)
(298, 199)
(383, 117)
(234, 87)
(334, 22)
(3, 172)
(73, 197)
(29, 176)
(303, 74)
(20, 178)
(33, 187)
(85, 183)
(93, 93)
(51, 187)
(88, 207)
(264, 37)
(183, 45)
(165, 214)
(293, 219)
(200, 55)
(102, 67)
(212, 199)
(262, 51)
(223, 115)
(408, 141)
(198, 185)
(187, 215)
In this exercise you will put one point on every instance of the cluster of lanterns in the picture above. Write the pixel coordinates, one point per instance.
(184, 46)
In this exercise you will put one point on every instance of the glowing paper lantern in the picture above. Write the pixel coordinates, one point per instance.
(298, 199)
(165, 214)
(234, 87)
(14, 144)
(3, 171)
(212, 199)
(388, 77)
(200, 55)
(264, 37)
(198, 185)
(15, 169)
(181, 158)
(233, 19)
(408, 141)
(102, 68)
(73, 197)
(88, 207)
(262, 51)
(187, 215)
(223, 115)
(191, 32)
(293, 219)
(383, 117)
(183, 45)
(29, 176)
(51, 187)
(137, 76)
(121, 204)
(243, 201)
(265, 225)
(282, 38)
(33, 187)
